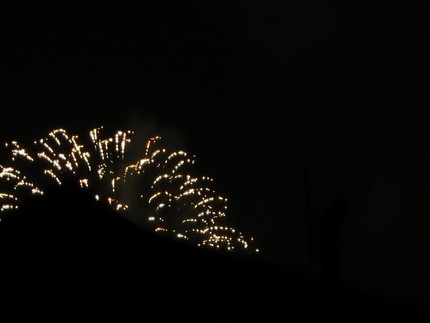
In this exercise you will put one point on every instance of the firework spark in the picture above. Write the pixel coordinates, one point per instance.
(156, 190)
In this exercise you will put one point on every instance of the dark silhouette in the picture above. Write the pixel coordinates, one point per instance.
(66, 254)
(308, 213)
(331, 243)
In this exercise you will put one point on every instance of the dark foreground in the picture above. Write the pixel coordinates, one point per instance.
(64, 259)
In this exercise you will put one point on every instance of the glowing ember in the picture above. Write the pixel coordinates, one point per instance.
(156, 190)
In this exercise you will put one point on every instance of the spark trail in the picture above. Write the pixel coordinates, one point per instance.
(157, 190)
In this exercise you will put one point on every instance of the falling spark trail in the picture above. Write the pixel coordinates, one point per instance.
(156, 189)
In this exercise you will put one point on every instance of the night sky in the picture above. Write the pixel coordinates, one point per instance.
(311, 117)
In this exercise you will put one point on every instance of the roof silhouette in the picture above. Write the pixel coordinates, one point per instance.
(68, 254)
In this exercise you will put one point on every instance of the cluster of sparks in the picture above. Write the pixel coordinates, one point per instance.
(157, 189)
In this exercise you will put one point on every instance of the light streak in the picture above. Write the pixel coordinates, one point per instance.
(159, 186)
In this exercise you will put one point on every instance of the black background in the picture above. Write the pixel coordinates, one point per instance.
(312, 117)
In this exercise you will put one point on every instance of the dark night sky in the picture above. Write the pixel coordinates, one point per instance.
(310, 116)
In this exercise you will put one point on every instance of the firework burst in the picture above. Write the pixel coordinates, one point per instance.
(157, 190)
